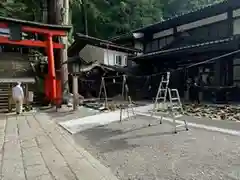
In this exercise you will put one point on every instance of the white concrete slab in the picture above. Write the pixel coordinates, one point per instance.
(78, 125)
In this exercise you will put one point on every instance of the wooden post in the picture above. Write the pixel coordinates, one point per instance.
(84, 10)
(10, 98)
(51, 68)
(27, 96)
(75, 92)
(62, 18)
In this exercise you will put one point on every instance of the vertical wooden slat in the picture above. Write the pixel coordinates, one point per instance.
(9, 97)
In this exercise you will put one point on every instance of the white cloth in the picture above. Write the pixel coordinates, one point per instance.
(18, 96)
(17, 92)
(19, 105)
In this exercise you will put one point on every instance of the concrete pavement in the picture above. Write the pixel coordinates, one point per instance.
(33, 147)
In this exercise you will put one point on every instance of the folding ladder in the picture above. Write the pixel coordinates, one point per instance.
(175, 107)
(125, 94)
(161, 96)
(104, 91)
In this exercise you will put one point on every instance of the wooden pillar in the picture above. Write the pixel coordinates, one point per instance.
(27, 95)
(75, 92)
(217, 68)
(230, 71)
(51, 69)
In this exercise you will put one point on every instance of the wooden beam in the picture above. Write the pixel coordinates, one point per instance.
(51, 69)
(38, 30)
(30, 43)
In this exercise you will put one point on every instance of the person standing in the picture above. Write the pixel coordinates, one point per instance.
(18, 97)
(196, 93)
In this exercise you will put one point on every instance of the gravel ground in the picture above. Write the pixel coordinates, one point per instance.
(135, 151)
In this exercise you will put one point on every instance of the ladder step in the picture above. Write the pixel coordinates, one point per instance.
(181, 125)
(176, 107)
(161, 98)
(175, 99)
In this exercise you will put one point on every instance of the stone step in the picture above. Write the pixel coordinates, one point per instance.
(4, 94)
(4, 107)
(3, 101)
(3, 97)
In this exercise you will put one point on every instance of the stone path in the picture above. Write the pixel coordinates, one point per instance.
(34, 148)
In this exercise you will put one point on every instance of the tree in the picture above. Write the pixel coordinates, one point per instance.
(62, 18)
(105, 17)
(111, 17)
(22, 9)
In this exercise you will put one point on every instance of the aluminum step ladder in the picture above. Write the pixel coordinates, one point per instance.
(162, 92)
(130, 106)
(175, 107)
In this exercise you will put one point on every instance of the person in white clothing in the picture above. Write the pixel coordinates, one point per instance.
(18, 97)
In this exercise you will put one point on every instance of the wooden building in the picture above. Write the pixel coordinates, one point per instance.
(92, 49)
(189, 38)
(98, 58)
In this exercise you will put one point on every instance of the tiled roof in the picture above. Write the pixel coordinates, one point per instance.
(14, 80)
(220, 41)
(81, 40)
(161, 24)
(122, 36)
(211, 8)
(32, 23)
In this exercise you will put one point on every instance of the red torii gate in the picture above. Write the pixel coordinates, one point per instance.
(15, 27)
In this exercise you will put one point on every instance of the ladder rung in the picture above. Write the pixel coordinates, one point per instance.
(176, 107)
(174, 99)
(165, 81)
(163, 90)
(181, 125)
(161, 98)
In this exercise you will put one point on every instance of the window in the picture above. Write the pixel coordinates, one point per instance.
(120, 60)
(155, 45)
(162, 43)
(169, 40)
(148, 47)
(236, 73)
(125, 61)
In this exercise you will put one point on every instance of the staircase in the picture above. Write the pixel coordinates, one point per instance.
(4, 96)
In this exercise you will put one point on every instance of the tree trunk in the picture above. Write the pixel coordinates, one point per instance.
(44, 11)
(84, 10)
(62, 17)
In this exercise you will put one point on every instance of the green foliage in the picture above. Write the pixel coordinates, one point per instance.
(23, 9)
(111, 17)
(107, 18)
